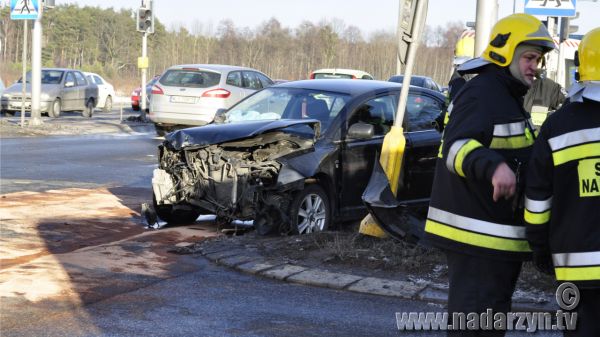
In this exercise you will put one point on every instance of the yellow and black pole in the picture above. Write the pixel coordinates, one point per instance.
(394, 143)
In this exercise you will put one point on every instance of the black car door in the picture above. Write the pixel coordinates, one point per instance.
(422, 146)
(358, 155)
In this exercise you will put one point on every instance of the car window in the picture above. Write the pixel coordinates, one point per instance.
(421, 111)
(190, 78)
(234, 78)
(321, 76)
(49, 76)
(289, 103)
(80, 78)
(378, 112)
(264, 80)
(251, 81)
(98, 80)
(70, 78)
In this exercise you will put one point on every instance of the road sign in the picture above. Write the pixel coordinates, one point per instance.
(550, 7)
(24, 9)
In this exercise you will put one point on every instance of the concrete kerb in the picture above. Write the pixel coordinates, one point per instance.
(252, 263)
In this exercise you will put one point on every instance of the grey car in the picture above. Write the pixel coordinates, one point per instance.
(62, 90)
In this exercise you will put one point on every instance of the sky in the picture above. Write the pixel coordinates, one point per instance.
(368, 15)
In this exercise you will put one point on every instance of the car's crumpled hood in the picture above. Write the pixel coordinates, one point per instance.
(219, 133)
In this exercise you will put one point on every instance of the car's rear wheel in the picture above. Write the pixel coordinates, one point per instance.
(108, 104)
(310, 210)
(89, 109)
(175, 216)
(54, 110)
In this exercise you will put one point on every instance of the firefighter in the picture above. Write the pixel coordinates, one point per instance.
(543, 98)
(562, 204)
(472, 215)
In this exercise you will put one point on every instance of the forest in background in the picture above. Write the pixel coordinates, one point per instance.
(105, 41)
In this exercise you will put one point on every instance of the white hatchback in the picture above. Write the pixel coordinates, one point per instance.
(106, 92)
(191, 94)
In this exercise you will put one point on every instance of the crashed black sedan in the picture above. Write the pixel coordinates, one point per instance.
(295, 157)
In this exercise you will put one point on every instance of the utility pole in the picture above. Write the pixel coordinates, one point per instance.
(36, 69)
(487, 11)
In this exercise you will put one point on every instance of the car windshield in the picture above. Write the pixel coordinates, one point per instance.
(48, 77)
(289, 103)
(192, 78)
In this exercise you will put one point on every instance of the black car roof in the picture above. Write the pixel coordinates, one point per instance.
(352, 87)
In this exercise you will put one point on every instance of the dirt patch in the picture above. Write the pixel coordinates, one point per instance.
(349, 252)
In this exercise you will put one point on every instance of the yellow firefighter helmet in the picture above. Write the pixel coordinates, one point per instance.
(511, 31)
(588, 57)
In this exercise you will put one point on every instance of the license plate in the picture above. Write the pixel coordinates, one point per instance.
(183, 99)
(17, 105)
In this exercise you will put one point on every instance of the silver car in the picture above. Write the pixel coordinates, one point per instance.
(62, 90)
(191, 94)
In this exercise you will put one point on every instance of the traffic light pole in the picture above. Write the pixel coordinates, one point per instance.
(144, 73)
(24, 81)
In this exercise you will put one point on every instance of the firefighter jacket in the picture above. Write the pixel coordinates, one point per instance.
(487, 126)
(562, 204)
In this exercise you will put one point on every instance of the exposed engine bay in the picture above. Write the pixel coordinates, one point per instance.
(234, 180)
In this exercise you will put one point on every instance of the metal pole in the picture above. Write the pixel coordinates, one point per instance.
(410, 60)
(24, 78)
(483, 24)
(144, 72)
(36, 70)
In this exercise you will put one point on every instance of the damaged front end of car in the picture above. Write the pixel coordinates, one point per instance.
(243, 178)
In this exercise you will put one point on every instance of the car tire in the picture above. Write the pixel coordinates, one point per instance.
(175, 217)
(310, 210)
(89, 109)
(108, 104)
(161, 131)
(55, 109)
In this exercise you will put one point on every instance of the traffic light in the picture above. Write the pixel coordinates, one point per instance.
(566, 28)
(145, 19)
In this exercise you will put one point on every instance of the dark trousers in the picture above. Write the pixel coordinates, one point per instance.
(588, 314)
(478, 284)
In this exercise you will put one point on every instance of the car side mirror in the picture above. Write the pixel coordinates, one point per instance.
(220, 116)
(69, 84)
(361, 131)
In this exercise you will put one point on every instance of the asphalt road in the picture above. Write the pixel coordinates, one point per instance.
(163, 294)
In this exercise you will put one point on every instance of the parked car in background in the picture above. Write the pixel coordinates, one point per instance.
(419, 81)
(191, 94)
(137, 94)
(340, 73)
(2, 87)
(62, 90)
(297, 156)
(106, 92)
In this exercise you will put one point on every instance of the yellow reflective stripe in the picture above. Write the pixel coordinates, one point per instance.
(447, 118)
(440, 154)
(576, 153)
(577, 273)
(516, 142)
(537, 218)
(476, 239)
(464, 151)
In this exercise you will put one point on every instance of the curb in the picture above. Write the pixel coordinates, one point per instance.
(250, 262)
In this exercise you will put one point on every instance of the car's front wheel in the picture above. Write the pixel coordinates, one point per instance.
(108, 104)
(54, 110)
(310, 210)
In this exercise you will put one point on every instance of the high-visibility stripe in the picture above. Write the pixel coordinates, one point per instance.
(474, 239)
(476, 225)
(509, 129)
(440, 153)
(516, 142)
(577, 273)
(574, 138)
(538, 206)
(576, 153)
(459, 150)
(537, 218)
(576, 259)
